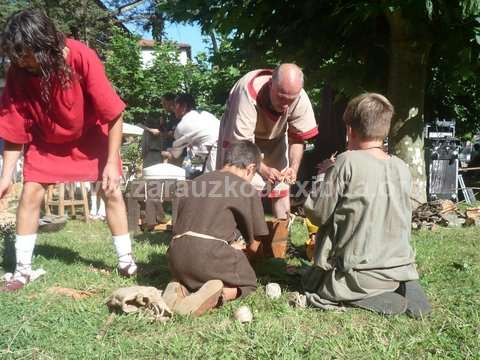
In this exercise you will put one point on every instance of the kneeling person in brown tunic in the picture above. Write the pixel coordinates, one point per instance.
(214, 212)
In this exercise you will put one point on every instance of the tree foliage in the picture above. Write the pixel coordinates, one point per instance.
(346, 42)
(84, 20)
(143, 14)
(143, 86)
(390, 46)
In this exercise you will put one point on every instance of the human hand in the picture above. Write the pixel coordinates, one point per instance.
(167, 155)
(155, 132)
(252, 250)
(5, 186)
(269, 174)
(289, 175)
(110, 178)
(239, 245)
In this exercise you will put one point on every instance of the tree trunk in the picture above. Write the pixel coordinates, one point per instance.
(213, 39)
(406, 90)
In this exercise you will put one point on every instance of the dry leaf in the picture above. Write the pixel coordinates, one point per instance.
(72, 293)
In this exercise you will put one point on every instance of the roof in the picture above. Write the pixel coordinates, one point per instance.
(131, 129)
(148, 43)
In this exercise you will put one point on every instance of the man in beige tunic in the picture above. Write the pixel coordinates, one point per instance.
(271, 109)
(362, 254)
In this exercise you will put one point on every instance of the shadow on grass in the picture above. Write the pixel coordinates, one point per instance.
(154, 272)
(275, 270)
(153, 237)
(67, 256)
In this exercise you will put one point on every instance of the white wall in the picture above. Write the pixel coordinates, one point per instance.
(148, 57)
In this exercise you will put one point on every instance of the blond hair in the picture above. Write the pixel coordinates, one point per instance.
(369, 115)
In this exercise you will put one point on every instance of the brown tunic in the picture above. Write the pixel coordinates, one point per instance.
(221, 205)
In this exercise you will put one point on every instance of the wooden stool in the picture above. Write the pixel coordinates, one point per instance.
(71, 202)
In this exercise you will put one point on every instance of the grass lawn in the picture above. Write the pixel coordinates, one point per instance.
(35, 324)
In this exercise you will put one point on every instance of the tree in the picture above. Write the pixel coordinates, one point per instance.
(8, 7)
(356, 45)
(141, 13)
(85, 20)
(210, 78)
(139, 85)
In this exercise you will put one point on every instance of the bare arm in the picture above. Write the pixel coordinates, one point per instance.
(11, 154)
(115, 139)
(295, 154)
(111, 174)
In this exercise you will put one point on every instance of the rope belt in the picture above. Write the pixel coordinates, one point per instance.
(195, 234)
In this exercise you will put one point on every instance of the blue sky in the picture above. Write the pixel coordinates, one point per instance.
(189, 34)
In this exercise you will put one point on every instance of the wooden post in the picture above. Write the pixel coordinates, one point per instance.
(71, 195)
(48, 199)
(61, 199)
(85, 201)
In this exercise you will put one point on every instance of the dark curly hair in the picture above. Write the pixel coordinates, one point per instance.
(31, 31)
(187, 100)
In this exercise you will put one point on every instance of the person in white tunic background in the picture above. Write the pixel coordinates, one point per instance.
(197, 130)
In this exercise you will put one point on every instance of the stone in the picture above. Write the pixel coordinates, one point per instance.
(243, 314)
(273, 291)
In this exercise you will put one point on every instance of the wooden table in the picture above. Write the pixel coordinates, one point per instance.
(140, 190)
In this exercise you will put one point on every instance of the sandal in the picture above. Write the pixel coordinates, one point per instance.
(128, 271)
(15, 283)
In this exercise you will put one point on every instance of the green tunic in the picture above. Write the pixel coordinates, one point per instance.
(363, 246)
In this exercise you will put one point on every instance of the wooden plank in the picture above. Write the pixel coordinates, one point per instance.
(133, 214)
(61, 197)
(469, 169)
(86, 210)
(71, 195)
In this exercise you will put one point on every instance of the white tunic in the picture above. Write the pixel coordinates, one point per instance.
(197, 130)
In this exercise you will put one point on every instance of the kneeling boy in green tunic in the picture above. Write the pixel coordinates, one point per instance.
(362, 255)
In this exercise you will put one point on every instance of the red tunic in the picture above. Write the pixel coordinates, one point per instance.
(68, 140)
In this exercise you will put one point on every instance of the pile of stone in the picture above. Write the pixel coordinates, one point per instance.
(444, 213)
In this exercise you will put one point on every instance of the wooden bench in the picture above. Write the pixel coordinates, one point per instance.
(140, 190)
(55, 197)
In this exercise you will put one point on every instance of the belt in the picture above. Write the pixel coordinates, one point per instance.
(195, 234)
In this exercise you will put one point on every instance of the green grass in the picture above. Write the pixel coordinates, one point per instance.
(35, 324)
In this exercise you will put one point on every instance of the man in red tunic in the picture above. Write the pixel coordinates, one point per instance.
(59, 107)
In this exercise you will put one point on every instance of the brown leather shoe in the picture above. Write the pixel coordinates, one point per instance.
(174, 293)
(199, 302)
